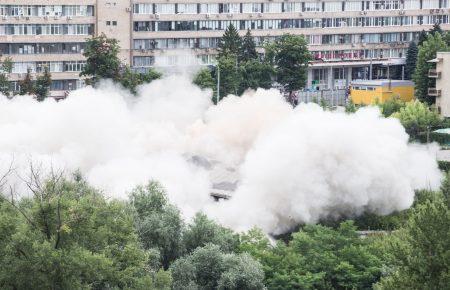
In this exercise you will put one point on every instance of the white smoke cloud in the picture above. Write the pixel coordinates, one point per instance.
(315, 164)
(296, 165)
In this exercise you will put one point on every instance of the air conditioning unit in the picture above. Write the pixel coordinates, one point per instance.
(361, 12)
(4, 17)
(46, 17)
(207, 16)
(128, 9)
(17, 17)
(259, 14)
(229, 15)
(157, 16)
(56, 17)
(69, 17)
(401, 12)
(142, 50)
(27, 18)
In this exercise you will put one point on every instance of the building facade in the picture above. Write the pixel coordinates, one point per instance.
(349, 39)
(441, 77)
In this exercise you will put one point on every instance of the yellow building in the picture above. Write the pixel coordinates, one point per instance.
(367, 92)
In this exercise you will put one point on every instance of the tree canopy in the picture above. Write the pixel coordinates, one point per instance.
(416, 117)
(291, 56)
(102, 62)
(427, 51)
(68, 236)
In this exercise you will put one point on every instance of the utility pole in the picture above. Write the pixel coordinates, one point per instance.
(218, 84)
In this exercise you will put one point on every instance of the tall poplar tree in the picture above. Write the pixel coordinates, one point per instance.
(230, 43)
(248, 48)
(43, 84)
(427, 51)
(27, 85)
(411, 59)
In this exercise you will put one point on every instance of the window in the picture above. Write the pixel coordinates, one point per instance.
(312, 6)
(108, 23)
(292, 7)
(210, 8)
(74, 66)
(143, 8)
(143, 61)
(272, 7)
(187, 8)
(232, 8)
(354, 5)
(333, 6)
(165, 8)
(252, 7)
(114, 23)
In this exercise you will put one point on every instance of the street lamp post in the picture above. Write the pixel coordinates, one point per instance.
(218, 84)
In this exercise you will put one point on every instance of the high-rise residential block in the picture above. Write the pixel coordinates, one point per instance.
(349, 40)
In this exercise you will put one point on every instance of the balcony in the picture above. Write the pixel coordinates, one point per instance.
(433, 73)
(433, 92)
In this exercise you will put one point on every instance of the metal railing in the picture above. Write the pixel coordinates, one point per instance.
(433, 92)
(433, 73)
(332, 98)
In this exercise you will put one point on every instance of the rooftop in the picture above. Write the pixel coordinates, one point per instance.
(382, 83)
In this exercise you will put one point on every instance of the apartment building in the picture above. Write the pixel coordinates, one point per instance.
(349, 39)
(441, 77)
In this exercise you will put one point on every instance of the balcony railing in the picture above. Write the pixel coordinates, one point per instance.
(433, 92)
(433, 73)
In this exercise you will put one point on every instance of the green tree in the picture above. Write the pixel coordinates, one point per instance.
(391, 106)
(427, 51)
(422, 251)
(27, 84)
(204, 231)
(209, 268)
(417, 118)
(248, 48)
(256, 74)
(230, 43)
(436, 29)
(317, 257)
(411, 58)
(68, 236)
(102, 61)
(43, 85)
(5, 70)
(204, 79)
(230, 75)
(158, 223)
(290, 55)
(422, 37)
(131, 80)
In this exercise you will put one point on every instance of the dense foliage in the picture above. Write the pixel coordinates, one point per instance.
(291, 56)
(240, 67)
(5, 69)
(427, 51)
(417, 117)
(411, 58)
(102, 62)
(67, 235)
